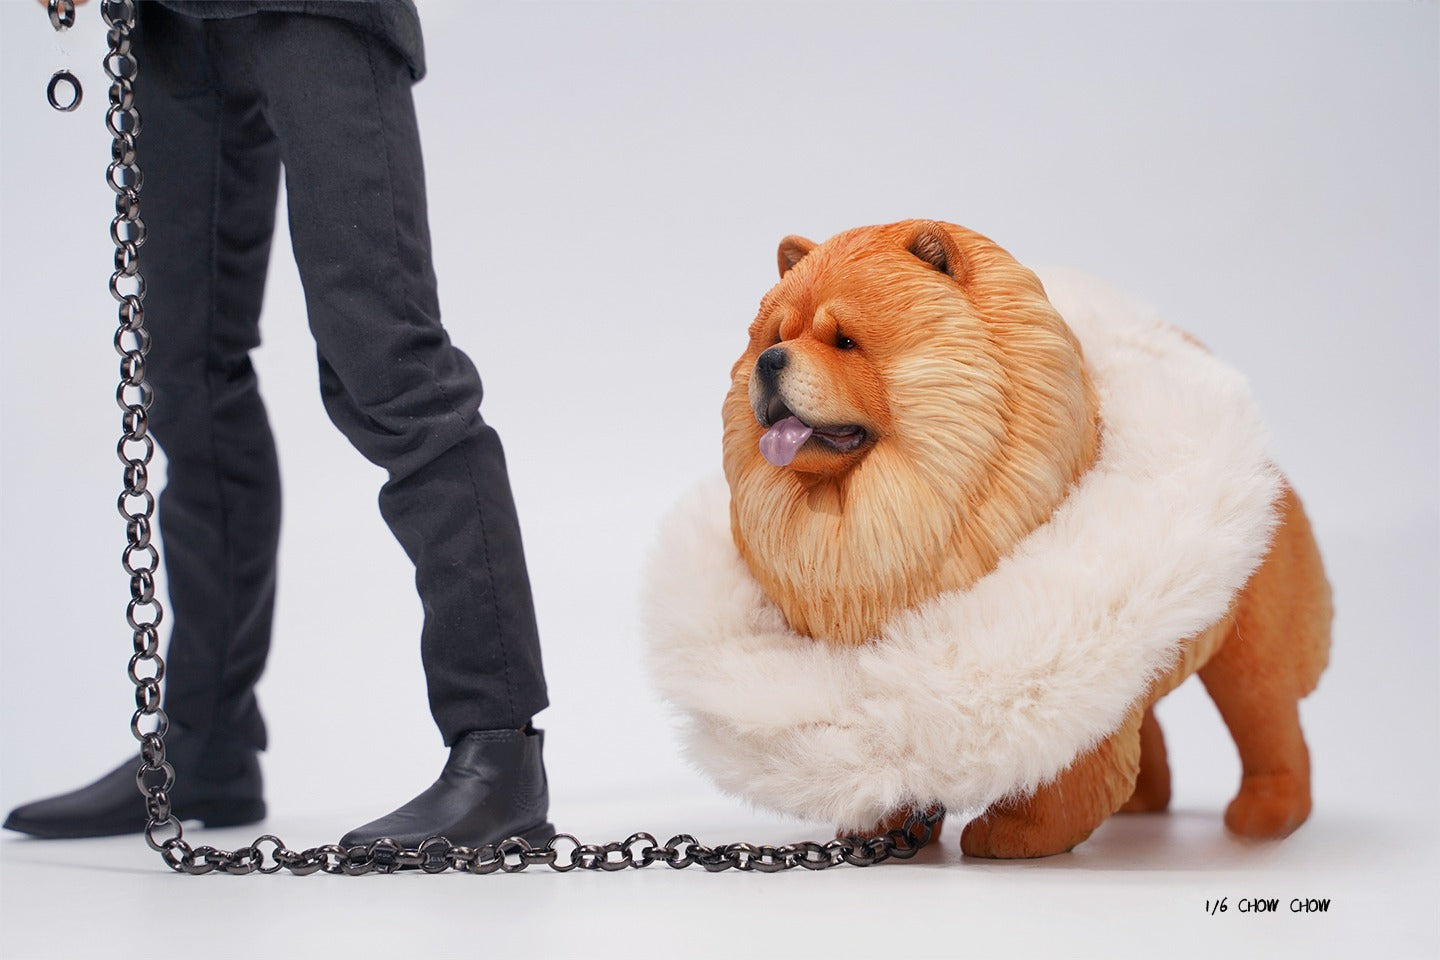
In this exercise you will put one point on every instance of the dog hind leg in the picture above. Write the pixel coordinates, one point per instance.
(1274, 795)
(1276, 649)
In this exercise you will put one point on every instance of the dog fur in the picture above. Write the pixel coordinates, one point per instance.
(980, 421)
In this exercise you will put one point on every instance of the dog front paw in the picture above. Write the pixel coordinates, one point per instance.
(1000, 837)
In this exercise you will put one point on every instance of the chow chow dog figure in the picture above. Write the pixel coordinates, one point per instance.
(979, 525)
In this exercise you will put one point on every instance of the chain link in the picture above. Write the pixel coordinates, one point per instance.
(155, 777)
(561, 853)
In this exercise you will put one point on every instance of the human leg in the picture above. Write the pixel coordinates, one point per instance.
(408, 399)
(390, 377)
(211, 169)
(214, 174)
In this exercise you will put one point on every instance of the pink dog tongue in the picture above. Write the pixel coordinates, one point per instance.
(782, 441)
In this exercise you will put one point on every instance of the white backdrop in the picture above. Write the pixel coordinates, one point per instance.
(607, 186)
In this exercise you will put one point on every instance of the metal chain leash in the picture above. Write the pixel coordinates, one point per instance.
(143, 612)
(561, 853)
(136, 448)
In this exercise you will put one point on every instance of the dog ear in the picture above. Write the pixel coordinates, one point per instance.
(932, 243)
(792, 251)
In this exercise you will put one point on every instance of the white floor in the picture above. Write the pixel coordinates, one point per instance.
(1139, 887)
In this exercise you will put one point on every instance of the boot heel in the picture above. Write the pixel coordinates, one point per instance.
(229, 814)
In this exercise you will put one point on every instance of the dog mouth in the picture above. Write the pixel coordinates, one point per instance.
(787, 433)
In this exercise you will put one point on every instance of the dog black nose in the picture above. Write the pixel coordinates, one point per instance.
(770, 364)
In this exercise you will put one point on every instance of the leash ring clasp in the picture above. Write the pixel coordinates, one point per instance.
(62, 14)
(52, 91)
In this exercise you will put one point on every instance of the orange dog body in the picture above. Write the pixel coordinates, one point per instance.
(923, 408)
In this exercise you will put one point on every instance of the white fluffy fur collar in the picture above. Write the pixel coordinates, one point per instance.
(991, 691)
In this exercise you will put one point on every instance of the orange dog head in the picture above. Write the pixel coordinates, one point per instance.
(909, 406)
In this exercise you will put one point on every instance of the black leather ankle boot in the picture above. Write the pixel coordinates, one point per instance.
(219, 785)
(493, 787)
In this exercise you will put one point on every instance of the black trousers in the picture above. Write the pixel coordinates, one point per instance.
(224, 105)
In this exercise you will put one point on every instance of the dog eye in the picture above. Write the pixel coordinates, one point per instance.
(844, 343)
